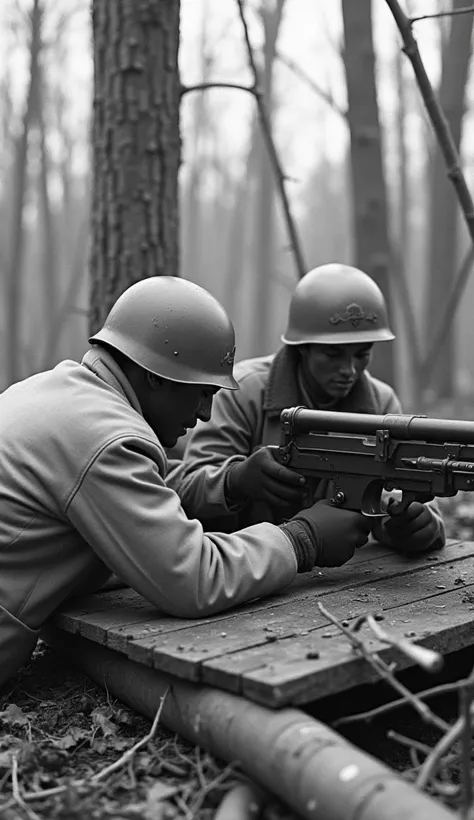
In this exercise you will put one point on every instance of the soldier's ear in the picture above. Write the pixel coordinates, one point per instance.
(153, 381)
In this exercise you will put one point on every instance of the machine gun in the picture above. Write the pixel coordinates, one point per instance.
(371, 459)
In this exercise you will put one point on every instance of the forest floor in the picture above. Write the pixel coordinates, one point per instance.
(60, 732)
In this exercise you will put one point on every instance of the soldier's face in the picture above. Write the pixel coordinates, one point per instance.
(336, 368)
(172, 408)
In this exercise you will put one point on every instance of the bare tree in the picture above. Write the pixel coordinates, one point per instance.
(368, 180)
(443, 221)
(191, 212)
(15, 262)
(264, 233)
(136, 146)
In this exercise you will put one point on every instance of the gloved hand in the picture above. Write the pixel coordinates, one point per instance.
(326, 535)
(261, 477)
(414, 530)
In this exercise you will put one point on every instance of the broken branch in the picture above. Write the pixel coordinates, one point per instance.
(386, 673)
(272, 152)
(428, 659)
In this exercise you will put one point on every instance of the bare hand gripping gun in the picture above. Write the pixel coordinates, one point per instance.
(367, 457)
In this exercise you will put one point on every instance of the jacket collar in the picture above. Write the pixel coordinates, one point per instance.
(103, 364)
(282, 388)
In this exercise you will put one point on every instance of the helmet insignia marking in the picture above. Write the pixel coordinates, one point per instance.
(228, 359)
(353, 314)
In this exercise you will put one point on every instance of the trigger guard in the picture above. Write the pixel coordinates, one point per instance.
(371, 505)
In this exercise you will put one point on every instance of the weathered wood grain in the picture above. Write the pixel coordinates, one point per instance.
(339, 668)
(261, 649)
(113, 618)
(390, 595)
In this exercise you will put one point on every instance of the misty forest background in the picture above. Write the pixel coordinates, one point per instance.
(365, 178)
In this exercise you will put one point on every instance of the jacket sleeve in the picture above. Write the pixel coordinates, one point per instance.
(213, 447)
(135, 523)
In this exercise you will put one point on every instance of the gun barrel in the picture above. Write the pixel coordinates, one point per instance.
(296, 420)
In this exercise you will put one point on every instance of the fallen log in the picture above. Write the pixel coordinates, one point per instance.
(315, 771)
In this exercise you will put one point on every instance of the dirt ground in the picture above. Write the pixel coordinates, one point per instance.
(59, 733)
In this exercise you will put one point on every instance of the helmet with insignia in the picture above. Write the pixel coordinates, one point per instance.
(337, 304)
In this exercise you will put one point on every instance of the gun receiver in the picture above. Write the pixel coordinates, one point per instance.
(368, 456)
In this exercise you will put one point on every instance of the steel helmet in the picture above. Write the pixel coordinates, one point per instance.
(337, 304)
(175, 329)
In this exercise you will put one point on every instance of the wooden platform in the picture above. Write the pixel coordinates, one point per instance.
(281, 650)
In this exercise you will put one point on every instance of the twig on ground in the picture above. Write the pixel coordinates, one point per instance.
(134, 749)
(183, 807)
(385, 672)
(430, 764)
(17, 797)
(99, 776)
(197, 803)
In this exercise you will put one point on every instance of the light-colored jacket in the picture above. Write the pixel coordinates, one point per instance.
(245, 419)
(84, 492)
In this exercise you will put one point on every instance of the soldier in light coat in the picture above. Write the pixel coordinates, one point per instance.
(230, 477)
(86, 488)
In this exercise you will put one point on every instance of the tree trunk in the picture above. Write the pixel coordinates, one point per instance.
(15, 265)
(368, 181)
(136, 146)
(191, 206)
(49, 261)
(264, 232)
(444, 210)
(240, 230)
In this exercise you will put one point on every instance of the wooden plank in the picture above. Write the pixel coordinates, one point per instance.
(226, 671)
(298, 679)
(263, 637)
(77, 610)
(116, 618)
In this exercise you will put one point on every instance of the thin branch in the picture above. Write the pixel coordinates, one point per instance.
(409, 742)
(185, 89)
(465, 698)
(436, 115)
(302, 75)
(452, 13)
(442, 689)
(128, 755)
(131, 752)
(269, 142)
(386, 673)
(17, 794)
(454, 297)
(429, 766)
